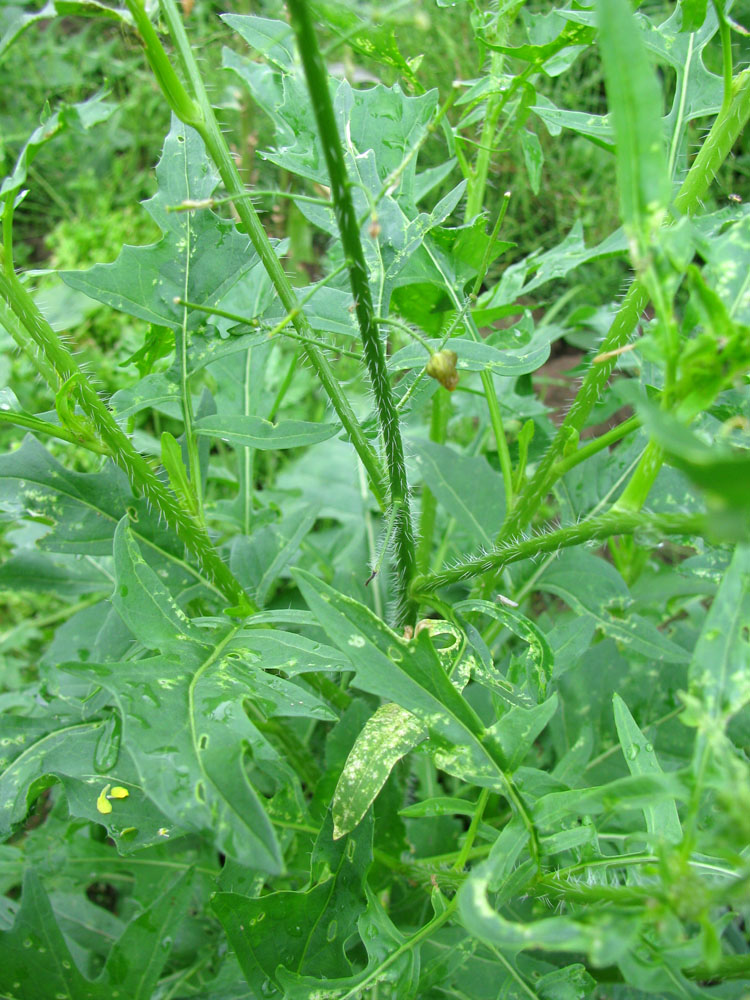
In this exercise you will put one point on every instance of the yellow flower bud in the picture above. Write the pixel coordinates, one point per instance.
(442, 366)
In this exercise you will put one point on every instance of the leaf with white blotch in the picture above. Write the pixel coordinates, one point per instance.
(604, 938)
(407, 672)
(386, 737)
(38, 963)
(255, 432)
(183, 716)
(306, 931)
(84, 759)
(199, 258)
(184, 725)
(538, 659)
(662, 820)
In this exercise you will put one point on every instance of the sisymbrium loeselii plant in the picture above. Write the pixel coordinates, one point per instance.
(376, 565)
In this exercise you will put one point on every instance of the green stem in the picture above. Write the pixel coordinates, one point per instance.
(636, 492)
(216, 146)
(478, 176)
(496, 420)
(595, 529)
(725, 34)
(138, 470)
(8, 233)
(441, 408)
(273, 331)
(320, 96)
(724, 133)
(204, 203)
(52, 430)
(598, 444)
(471, 833)
(422, 934)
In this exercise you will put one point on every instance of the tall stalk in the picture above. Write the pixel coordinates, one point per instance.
(346, 217)
(197, 112)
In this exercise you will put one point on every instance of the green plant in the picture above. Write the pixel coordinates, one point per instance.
(346, 667)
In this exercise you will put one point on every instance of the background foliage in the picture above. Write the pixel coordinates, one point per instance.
(274, 724)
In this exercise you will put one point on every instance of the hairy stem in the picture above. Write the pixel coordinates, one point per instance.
(317, 82)
(595, 529)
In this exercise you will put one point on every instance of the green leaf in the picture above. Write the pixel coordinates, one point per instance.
(588, 585)
(635, 101)
(719, 672)
(304, 932)
(387, 736)
(144, 603)
(84, 509)
(479, 511)
(517, 730)
(138, 957)
(661, 818)
(36, 959)
(184, 725)
(82, 116)
(533, 158)
(199, 258)
(38, 963)
(255, 432)
(639, 791)
(259, 561)
(393, 961)
(408, 673)
(44, 752)
(518, 355)
(443, 805)
(693, 14)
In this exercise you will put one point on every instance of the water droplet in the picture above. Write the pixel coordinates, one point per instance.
(332, 931)
(648, 748)
(633, 751)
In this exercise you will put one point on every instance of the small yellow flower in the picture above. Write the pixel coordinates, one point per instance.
(102, 803)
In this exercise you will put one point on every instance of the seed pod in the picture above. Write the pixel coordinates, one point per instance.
(442, 366)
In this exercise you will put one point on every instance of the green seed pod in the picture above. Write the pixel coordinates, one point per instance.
(442, 366)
